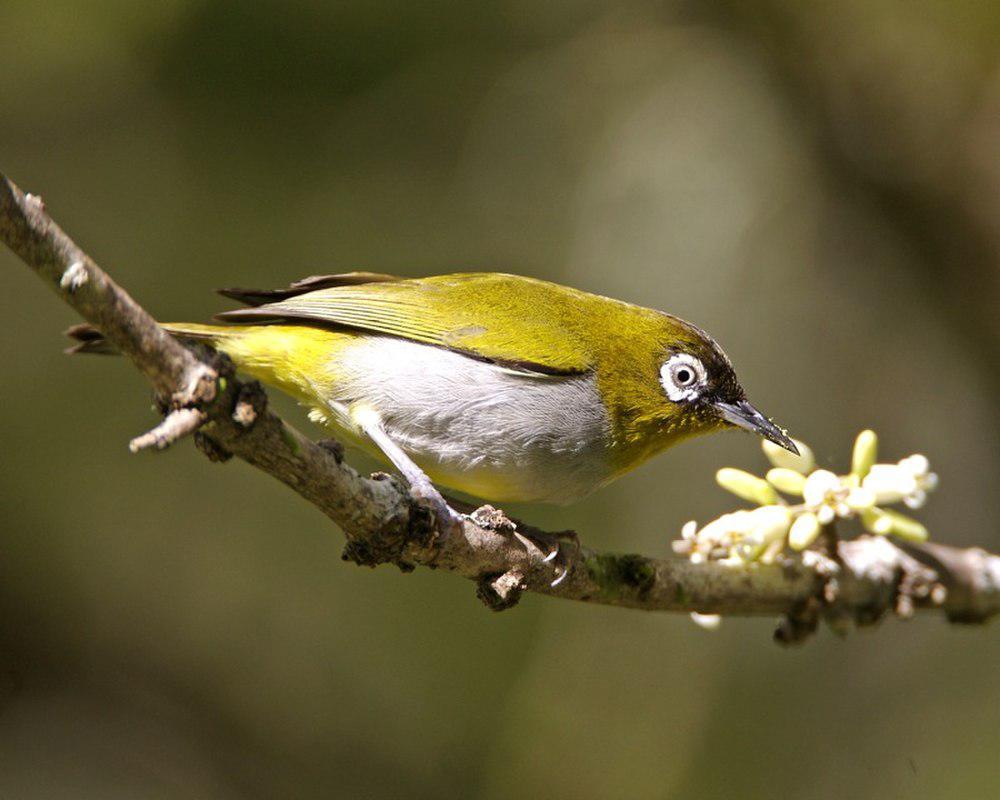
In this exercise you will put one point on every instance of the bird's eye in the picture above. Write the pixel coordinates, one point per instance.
(683, 377)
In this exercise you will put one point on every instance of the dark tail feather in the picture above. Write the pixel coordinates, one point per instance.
(258, 297)
(89, 340)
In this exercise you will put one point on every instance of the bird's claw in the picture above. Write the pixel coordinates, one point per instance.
(567, 564)
(555, 555)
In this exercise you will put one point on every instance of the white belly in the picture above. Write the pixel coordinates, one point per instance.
(496, 433)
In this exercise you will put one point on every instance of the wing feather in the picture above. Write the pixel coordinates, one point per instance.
(256, 297)
(512, 321)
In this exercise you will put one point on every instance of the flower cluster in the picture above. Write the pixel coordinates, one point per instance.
(762, 534)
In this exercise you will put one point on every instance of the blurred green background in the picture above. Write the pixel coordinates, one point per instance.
(817, 184)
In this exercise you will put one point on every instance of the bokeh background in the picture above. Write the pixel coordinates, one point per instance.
(816, 183)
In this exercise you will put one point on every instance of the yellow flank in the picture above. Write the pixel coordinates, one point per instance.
(293, 358)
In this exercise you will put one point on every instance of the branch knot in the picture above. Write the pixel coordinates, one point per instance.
(500, 591)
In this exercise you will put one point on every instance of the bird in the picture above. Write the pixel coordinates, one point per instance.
(503, 387)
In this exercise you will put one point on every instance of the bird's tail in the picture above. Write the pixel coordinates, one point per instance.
(293, 358)
(90, 340)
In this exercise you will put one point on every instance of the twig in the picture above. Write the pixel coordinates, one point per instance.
(177, 424)
(383, 524)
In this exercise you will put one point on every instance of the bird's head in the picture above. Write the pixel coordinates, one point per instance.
(680, 383)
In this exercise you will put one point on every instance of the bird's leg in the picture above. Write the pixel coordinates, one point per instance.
(421, 486)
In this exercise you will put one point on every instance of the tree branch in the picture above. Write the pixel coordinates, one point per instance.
(858, 582)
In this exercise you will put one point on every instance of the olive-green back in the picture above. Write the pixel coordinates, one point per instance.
(507, 319)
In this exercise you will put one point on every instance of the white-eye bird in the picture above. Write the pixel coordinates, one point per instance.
(499, 386)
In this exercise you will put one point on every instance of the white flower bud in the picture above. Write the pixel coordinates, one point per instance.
(786, 480)
(865, 453)
(803, 462)
(885, 523)
(873, 521)
(747, 486)
(916, 500)
(826, 515)
(819, 485)
(804, 531)
(889, 482)
(764, 525)
(736, 522)
(904, 527)
(860, 499)
(769, 523)
(916, 464)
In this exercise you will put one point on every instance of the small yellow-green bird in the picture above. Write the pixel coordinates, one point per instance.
(499, 386)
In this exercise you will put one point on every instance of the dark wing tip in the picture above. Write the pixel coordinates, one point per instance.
(258, 315)
(258, 297)
(251, 297)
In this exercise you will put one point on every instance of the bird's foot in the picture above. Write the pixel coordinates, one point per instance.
(561, 560)
(532, 539)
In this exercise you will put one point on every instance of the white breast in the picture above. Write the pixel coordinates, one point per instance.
(498, 433)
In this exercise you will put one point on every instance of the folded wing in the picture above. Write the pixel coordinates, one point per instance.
(515, 322)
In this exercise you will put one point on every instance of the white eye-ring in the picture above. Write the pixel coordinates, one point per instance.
(683, 377)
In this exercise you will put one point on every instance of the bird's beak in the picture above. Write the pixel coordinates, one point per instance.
(744, 415)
